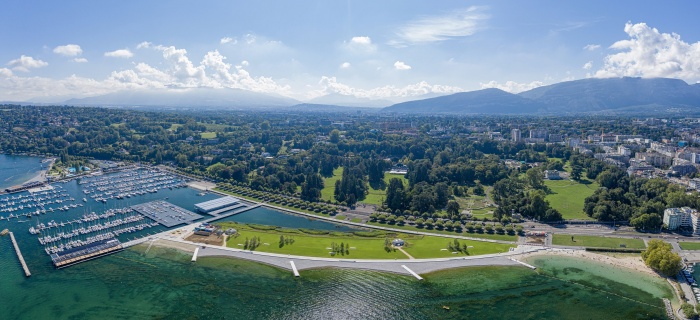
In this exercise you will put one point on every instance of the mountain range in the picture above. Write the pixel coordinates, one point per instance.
(579, 96)
(594, 95)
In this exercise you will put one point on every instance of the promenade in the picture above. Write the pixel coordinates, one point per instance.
(419, 266)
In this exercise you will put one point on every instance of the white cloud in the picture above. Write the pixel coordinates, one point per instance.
(69, 50)
(121, 53)
(245, 63)
(144, 44)
(360, 45)
(650, 53)
(588, 65)
(400, 65)
(331, 85)
(460, 23)
(80, 60)
(345, 65)
(5, 72)
(512, 86)
(226, 40)
(24, 63)
(591, 47)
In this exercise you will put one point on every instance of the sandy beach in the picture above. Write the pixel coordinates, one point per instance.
(41, 175)
(628, 262)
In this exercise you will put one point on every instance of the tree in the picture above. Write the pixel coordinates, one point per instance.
(334, 136)
(395, 196)
(576, 172)
(453, 209)
(534, 178)
(660, 257)
(646, 221)
(479, 189)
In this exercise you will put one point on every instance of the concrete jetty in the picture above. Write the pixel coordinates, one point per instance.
(294, 269)
(411, 272)
(19, 255)
(523, 263)
(194, 256)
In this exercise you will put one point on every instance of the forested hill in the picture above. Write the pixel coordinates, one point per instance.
(580, 96)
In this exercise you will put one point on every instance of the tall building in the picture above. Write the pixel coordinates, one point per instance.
(516, 135)
(538, 134)
(675, 218)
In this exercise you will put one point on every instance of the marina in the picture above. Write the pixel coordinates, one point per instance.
(165, 213)
(129, 183)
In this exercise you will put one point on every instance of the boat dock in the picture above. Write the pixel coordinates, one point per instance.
(85, 253)
(19, 255)
(412, 272)
(166, 213)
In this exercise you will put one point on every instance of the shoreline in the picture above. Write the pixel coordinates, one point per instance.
(630, 263)
(40, 176)
(420, 266)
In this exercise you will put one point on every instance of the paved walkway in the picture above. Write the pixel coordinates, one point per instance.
(406, 253)
(302, 263)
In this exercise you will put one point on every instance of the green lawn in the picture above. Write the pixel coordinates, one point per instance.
(597, 242)
(174, 126)
(689, 245)
(329, 184)
(568, 196)
(360, 247)
(432, 247)
(208, 135)
(377, 193)
(494, 236)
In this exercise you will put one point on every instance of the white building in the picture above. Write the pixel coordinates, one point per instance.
(516, 135)
(675, 218)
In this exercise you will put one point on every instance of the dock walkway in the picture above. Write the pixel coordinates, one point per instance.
(19, 255)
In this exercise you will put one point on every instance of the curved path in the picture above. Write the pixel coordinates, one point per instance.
(302, 262)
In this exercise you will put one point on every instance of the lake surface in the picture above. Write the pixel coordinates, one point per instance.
(163, 283)
(15, 170)
(262, 215)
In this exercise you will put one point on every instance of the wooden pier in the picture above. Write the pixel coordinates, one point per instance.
(19, 255)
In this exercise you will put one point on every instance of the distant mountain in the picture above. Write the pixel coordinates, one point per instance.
(310, 107)
(579, 96)
(337, 99)
(196, 97)
(610, 94)
(473, 102)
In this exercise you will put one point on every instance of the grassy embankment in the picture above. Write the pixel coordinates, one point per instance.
(689, 245)
(597, 241)
(362, 245)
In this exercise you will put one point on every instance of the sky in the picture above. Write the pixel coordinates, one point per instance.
(392, 50)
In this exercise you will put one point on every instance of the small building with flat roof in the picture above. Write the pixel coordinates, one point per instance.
(216, 204)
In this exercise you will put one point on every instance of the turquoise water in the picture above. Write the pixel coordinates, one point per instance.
(164, 284)
(16, 170)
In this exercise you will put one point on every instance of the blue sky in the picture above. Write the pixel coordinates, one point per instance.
(394, 50)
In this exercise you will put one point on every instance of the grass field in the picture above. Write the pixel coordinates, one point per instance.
(503, 237)
(377, 193)
(568, 196)
(208, 135)
(689, 245)
(329, 184)
(360, 247)
(597, 242)
(426, 248)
